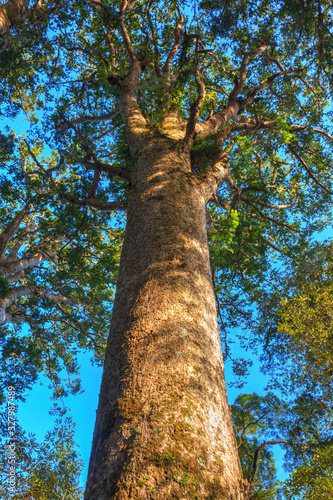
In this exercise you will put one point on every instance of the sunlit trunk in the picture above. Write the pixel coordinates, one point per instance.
(163, 426)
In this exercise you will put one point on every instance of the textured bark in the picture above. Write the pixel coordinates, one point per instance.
(163, 426)
(12, 12)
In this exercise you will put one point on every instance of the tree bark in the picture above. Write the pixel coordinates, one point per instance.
(12, 12)
(163, 427)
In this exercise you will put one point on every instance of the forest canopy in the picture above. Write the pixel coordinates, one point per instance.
(237, 96)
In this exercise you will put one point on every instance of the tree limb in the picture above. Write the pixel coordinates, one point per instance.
(310, 173)
(256, 456)
(88, 119)
(126, 39)
(240, 80)
(217, 172)
(11, 227)
(178, 36)
(105, 206)
(196, 106)
(265, 216)
(106, 167)
(15, 11)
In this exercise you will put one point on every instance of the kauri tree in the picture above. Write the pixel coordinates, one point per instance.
(186, 129)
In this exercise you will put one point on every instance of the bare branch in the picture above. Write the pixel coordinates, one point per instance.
(196, 106)
(126, 39)
(276, 207)
(157, 54)
(90, 51)
(265, 216)
(310, 173)
(217, 172)
(178, 36)
(11, 227)
(88, 119)
(272, 59)
(250, 96)
(12, 268)
(218, 120)
(105, 206)
(59, 299)
(240, 80)
(322, 132)
(108, 39)
(105, 167)
(272, 245)
(256, 456)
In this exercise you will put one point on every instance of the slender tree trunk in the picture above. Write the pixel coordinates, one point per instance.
(163, 428)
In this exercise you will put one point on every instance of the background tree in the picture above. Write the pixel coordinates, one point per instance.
(54, 298)
(53, 275)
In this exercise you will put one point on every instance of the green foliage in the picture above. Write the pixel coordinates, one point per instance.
(64, 70)
(82, 269)
(304, 426)
(306, 316)
(297, 332)
(313, 479)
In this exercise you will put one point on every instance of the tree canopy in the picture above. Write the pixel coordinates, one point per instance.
(249, 85)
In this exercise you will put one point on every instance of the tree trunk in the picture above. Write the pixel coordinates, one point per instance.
(12, 12)
(163, 428)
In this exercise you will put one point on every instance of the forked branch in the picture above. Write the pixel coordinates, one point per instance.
(176, 44)
(256, 456)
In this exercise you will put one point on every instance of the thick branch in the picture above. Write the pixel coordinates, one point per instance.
(126, 39)
(15, 11)
(240, 80)
(256, 456)
(250, 124)
(322, 132)
(251, 94)
(195, 110)
(217, 121)
(217, 172)
(275, 61)
(11, 227)
(135, 123)
(8, 316)
(16, 267)
(12, 269)
(59, 299)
